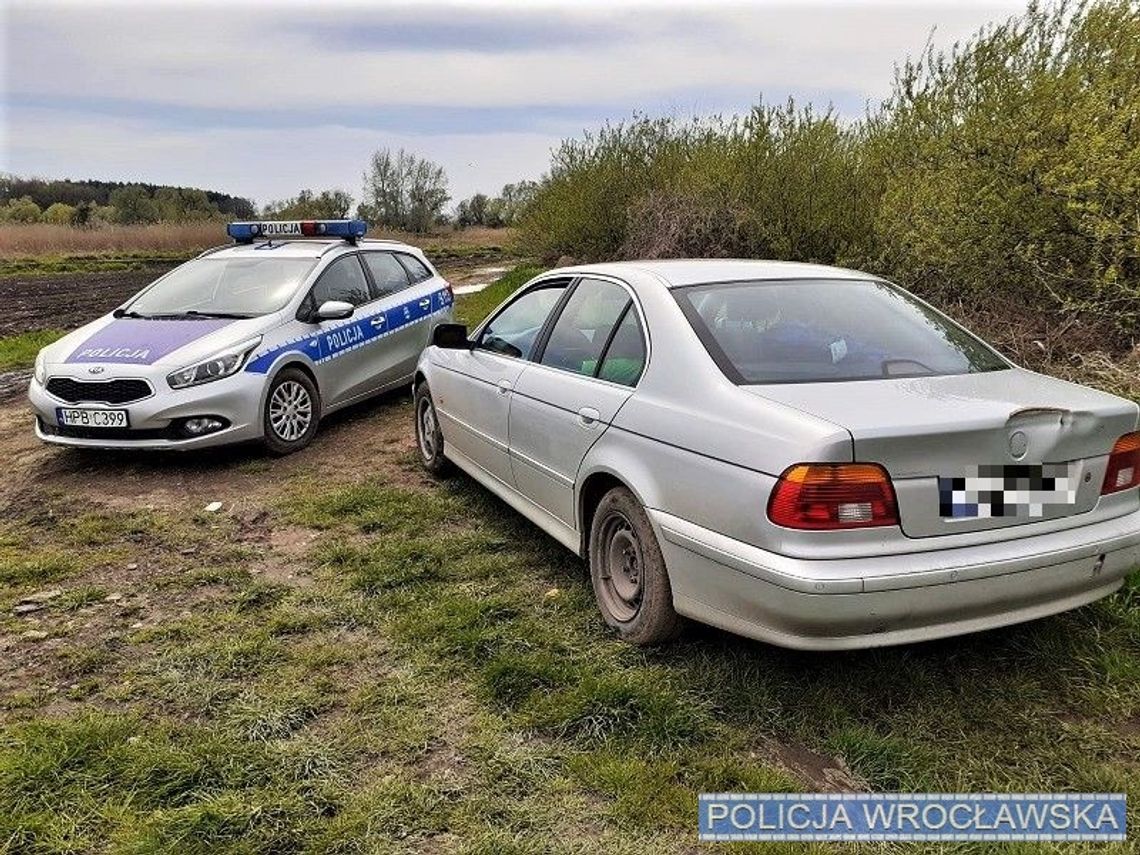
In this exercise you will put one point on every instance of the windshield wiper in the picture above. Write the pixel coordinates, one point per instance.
(194, 313)
(126, 313)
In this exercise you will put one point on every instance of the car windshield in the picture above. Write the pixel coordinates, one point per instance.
(809, 331)
(244, 287)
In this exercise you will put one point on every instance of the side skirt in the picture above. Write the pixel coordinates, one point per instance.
(554, 527)
(371, 393)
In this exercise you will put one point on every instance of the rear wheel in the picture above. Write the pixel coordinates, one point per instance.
(429, 437)
(292, 412)
(628, 572)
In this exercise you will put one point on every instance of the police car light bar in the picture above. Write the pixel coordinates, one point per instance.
(349, 230)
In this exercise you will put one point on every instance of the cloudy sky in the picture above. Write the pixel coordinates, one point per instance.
(262, 99)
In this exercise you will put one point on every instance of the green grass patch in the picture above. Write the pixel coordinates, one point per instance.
(442, 682)
(19, 351)
(93, 262)
(470, 309)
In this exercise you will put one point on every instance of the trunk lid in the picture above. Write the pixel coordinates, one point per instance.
(1007, 431)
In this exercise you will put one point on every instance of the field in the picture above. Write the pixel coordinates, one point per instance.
(350, 656)
(44, 249)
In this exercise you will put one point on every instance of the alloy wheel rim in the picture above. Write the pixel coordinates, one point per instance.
(622, 574)
(427, 430)
(290, 410)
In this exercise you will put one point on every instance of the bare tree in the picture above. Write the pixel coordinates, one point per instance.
(403, 191)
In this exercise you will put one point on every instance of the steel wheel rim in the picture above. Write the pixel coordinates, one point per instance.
(427, 426)
(290, 410)
(623, 568)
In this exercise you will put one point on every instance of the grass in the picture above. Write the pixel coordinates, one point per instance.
(44, 239)
(57, 264)
(444, 683)
(473, 308)
(19, 351)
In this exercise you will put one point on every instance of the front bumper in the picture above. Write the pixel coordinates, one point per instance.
(236, 399)
(837, 604)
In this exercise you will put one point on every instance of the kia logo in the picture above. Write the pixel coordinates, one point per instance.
(98, 369)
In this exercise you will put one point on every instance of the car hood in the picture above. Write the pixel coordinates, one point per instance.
(160, 342)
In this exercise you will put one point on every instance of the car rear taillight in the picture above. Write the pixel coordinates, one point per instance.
(833, 496)
(1123, 465)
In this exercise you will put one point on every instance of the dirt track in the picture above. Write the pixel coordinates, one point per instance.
(379, 430)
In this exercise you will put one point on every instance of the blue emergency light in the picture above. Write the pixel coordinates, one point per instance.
(349, 230)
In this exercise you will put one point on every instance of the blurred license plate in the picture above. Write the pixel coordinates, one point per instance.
(1024, 491)
(76, 417)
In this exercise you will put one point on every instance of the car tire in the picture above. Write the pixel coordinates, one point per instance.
(628, 572)
(429, 436)
(292, 412)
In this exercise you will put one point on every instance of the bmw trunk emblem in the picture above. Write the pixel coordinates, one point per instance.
(1018, 444)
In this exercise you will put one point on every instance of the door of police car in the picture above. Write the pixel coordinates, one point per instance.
(406, 299)
(346, 362)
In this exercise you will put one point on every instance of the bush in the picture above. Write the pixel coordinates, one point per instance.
(1005, 171)
(1014, 162)
(59, 214)
(307, 205)
(22, 210)
(782, 181)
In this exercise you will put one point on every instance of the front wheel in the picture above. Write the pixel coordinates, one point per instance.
(429, 437)
(628, 572)
(292, 412)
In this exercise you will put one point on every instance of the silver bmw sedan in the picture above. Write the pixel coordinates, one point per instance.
(800, 454)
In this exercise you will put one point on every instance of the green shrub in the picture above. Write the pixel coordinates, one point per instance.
(1004, 171)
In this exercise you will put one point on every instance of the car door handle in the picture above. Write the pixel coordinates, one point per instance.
(377, 321)
(504, 386)
(588, 416)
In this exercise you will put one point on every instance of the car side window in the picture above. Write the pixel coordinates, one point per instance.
(387, 273)
(342, 280)
(584, 327)
(624, 359)
(416, 268)
(514, 330)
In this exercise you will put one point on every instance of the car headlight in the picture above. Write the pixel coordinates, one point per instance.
(40, 371)
(215, 368)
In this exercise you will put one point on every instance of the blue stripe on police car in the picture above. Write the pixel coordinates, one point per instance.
(326, 345)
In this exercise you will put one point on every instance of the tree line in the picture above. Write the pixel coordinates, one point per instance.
(90, 202)
(400, 191)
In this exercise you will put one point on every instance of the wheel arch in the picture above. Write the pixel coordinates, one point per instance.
(289, 361)
(599, 481)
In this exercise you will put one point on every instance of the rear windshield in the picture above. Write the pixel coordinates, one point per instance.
(810, 331)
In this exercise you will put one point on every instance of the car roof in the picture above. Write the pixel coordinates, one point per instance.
(306, 248)
(677, 273)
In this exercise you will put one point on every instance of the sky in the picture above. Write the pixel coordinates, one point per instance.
(262, 99)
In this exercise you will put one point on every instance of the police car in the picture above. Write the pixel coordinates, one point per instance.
(258, 340)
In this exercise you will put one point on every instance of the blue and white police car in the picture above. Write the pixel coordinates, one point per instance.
(253, 341)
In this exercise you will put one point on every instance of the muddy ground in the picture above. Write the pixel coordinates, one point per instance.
(65, 301)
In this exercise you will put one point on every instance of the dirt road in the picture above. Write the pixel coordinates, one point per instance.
(379, 431)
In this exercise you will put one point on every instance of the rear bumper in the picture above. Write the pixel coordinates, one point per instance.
(875, 602)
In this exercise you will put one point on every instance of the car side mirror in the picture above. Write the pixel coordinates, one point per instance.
(334, 310)
(450, 337)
